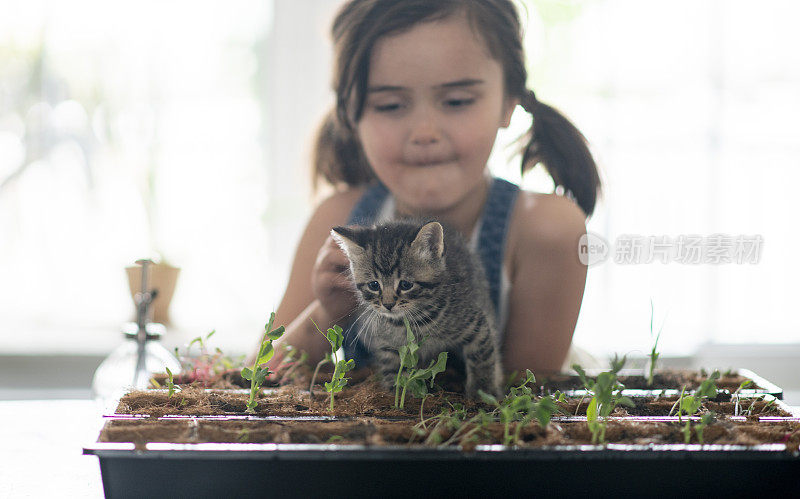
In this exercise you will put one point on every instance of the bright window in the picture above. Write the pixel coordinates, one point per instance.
(131, 130)
(691, 110)
(183, 129)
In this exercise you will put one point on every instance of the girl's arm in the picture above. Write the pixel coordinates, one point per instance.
(547, 282)
(313, 258)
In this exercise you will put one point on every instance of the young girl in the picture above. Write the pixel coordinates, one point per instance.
(422, 88)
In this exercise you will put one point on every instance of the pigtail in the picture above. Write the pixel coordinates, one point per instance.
(563, 151)
(338, 157)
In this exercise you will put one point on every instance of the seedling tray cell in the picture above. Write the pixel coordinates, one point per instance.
(762, 386)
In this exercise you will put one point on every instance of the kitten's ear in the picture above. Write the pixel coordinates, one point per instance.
(347, 239)
(429, 241)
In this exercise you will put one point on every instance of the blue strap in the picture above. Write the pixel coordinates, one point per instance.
(492, 235)
(366, 210)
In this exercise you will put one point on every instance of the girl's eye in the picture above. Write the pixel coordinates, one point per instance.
(405, 285)
(459, 102)
(374, 286)
(387, 108)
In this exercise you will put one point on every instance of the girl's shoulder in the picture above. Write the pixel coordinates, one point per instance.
(334, 209)
(545, 223)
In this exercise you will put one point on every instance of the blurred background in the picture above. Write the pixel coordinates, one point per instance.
(181, 131)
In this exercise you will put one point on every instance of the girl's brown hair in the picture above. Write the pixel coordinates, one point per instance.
(552, 139)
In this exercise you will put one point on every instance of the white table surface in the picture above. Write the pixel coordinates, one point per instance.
(41, 444)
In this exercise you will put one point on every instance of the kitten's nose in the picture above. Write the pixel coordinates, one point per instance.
(389, 305)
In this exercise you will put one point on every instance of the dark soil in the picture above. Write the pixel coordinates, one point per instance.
(662, 380)
(289, 396)
(371, 431)
(364, 398)
(650, 406)
(365, 414)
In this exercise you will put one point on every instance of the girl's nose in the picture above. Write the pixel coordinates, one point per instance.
(424, 130)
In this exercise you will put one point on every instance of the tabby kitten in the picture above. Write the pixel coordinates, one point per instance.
(426, 273)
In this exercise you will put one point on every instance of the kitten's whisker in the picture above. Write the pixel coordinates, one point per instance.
(363, 324)
(364, 331)
(360, 325)
(375, 322)
(369, 329)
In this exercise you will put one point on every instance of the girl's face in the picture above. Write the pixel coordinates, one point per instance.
(435, 100)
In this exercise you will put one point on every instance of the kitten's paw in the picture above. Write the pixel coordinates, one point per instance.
(387, 378)
(387, 382)
(486, 386)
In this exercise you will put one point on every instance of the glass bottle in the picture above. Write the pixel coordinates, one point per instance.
(122, 372)
(132, 364)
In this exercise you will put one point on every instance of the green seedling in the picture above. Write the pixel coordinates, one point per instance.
(417, 380)
(691, 404)
(510, 380)
(749, 411)
(290, 363)
(654, 354)
(544, 410)
(204, 366)
(325, 360)
(335, 337)
(258, 374)
(228, 363)
(515, 410)
(420, 380)
(519, 405)
(466, 431)
(171, 386)
(408, 359)
(201, 341)
(603, 400)
(736, 395)
(452, 419)
(768, 406)
(705, 420)
(454, 414)
(509, 410)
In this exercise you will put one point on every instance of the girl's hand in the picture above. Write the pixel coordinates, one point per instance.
(330, 281)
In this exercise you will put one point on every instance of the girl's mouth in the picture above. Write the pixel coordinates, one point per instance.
(430, 163)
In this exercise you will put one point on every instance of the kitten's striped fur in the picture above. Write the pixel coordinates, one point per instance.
(425, 272)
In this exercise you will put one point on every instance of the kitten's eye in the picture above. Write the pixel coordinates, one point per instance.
(405, 285)
(374, 286)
